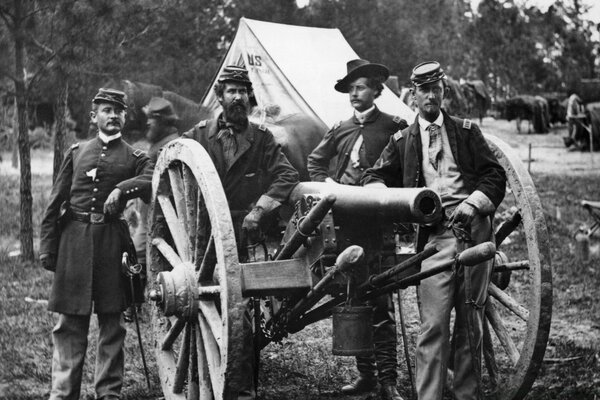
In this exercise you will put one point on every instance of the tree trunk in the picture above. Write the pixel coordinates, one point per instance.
(26, 232)
(60, 112)
(15, 137)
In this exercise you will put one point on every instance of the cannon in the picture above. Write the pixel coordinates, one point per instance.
(202, 293)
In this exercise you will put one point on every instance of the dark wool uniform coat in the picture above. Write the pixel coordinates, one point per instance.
(88, 256)
(259, 167)
(376, 131)
(400, 164)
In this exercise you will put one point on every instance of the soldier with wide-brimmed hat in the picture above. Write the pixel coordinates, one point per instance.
(356, 144)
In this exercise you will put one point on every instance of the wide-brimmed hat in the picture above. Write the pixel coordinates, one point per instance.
(361, 69)
(160, 108)
(113, 96)
(427, 72)
(234, 73)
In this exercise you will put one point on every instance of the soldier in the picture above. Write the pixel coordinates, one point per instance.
(357, 144)
(451, 156)
(256, 175)
(83, 237)
(162, 128)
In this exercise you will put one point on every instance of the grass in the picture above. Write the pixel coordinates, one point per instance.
(302, 367)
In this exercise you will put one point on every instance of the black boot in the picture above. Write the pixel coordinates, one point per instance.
(362, 384)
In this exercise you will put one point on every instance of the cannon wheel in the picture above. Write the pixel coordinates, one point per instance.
(198, 318)
(520, 305)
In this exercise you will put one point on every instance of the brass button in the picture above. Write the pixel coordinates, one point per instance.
(93, 208)
(95, 189)
(103, 155)
(93, 199)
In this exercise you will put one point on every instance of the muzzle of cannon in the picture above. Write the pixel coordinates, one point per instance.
(408, 205)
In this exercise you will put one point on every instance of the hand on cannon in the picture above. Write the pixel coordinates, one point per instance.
(251, 225)
(460, 221)
(48, 261)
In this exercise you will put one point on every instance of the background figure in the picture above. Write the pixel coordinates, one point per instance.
(161, 129)
(450, 156)
(576, 134)
(256, 176)
(83, 237)
(356, 144)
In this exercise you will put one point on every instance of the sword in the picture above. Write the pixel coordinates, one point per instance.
(131, 271)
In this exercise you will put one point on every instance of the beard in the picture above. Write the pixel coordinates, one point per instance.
(236, 112)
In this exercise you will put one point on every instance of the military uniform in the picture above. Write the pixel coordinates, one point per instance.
(375, 132)
(88, 245)
(259, 167)
(469, 172)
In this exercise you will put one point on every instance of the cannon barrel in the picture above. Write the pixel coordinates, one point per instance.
(410, 205)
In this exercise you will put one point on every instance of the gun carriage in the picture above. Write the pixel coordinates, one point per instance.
(202, 292)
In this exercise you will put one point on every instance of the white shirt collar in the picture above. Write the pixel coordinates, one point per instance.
(424, 124)
(361, 116)
(106, 138)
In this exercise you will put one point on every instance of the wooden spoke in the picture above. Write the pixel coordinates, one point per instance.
(501, 332)
(213, 319)
(183, 361)
(512, 266)
(212, 353)
(178, 191)
(172, 334)
(167, 251)
(175, 226)
(190, 189)
(193, 391)
(205, 386)
(207, 267)
(489, 355)
(509, 302)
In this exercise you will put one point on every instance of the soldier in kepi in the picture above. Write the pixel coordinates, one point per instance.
(450, 156)
(161, 124)
(256, 175)
(357, 143)
(83, 237)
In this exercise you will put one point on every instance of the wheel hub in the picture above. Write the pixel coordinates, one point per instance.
(176, 292)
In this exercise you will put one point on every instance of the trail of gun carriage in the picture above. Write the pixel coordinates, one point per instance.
(301, 294)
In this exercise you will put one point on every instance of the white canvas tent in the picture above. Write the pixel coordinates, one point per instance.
(295, 68)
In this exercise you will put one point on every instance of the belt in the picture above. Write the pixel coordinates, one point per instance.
(94, 218)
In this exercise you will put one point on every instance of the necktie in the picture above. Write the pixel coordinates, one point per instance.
(228, 141)
(435, 144)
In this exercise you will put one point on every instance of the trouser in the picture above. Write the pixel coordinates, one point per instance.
(69, 337)
(439, 294)
(383, 361)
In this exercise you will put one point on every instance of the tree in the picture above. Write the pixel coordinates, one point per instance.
(16, 17)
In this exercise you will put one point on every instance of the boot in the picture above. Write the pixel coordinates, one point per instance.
(389, 392)
(362, 384)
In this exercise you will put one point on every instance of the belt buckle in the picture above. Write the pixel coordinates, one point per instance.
(96, 218)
